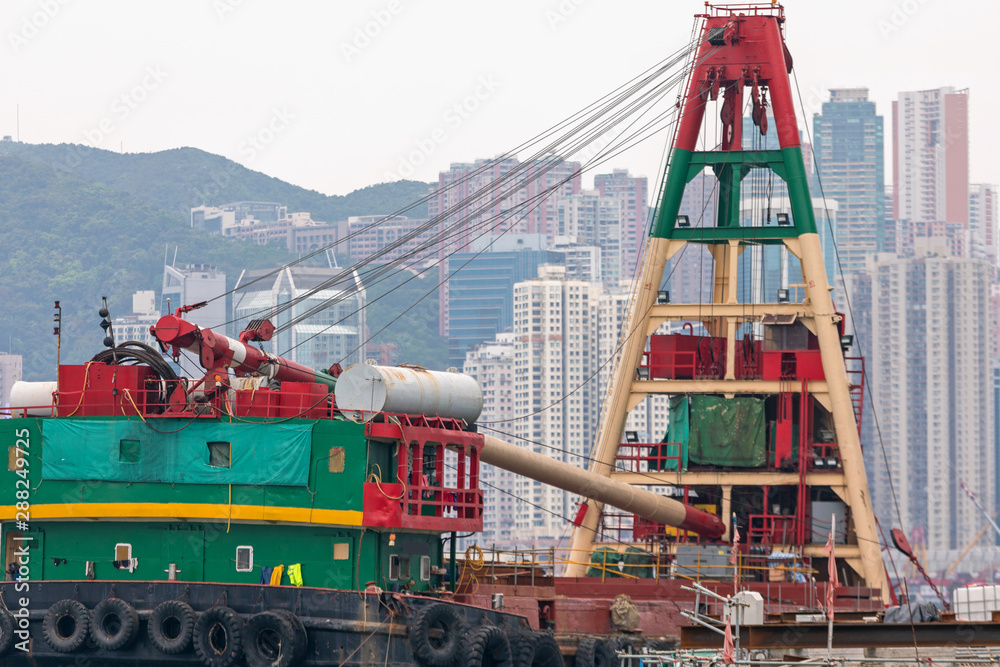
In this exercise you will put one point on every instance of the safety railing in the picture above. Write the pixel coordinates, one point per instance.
(649, 457)
(530, 566)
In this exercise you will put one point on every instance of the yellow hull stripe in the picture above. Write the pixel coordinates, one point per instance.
(185, 512)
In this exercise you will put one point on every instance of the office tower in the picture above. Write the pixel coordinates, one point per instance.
(848, 141)
(193, 284)
(481, 289)
(335, 333)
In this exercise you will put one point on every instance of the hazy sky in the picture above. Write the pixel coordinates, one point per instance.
(298, 90)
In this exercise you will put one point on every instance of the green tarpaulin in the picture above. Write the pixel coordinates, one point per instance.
(604, 562)
(727, 431)
(638, 563)
(176, 452)
(677, 433)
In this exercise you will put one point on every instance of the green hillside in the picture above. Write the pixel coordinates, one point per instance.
(180, 179)
(100, 229)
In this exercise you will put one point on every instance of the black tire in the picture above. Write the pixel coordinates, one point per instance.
(268, 639)
(218, 637)
(522, 648)
(625, 645)
(592, 652)
(488, 647)
(300, 639)
(171, 627)
(547, 651)
(114, 624)
(437, 651)
(6, 630)
(65, 626)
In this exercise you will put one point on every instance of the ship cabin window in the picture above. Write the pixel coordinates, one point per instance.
(393, 567)
(425, 568)
(219, 454)
(336, 459)
(399, 567)
(341, 551)
(244, 559)
(123, 551)
(128, 451)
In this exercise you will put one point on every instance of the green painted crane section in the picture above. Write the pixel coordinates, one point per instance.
(730, 168)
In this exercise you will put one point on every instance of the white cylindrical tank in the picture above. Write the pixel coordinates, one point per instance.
(364, 390)
(35, 396)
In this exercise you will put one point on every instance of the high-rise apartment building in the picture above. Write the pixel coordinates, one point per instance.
(930, 145)
(555, 356)
(397, 238)
(544, 384)
(849, 146)
(632, 194)
(478, 195)
(590, 219)
(931, 387)
(983, 222)
(492, 365)
(489, 197)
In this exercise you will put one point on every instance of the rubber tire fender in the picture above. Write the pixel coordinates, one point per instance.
(128, 624)
(522, 648)
(622, 643)
(488, 647)
(300, 641)
(443, 652)
(547, 651)
(6, 630)
(161, 614)
(593, 652)
(81, 625)
(209, 623)
(279, 627)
